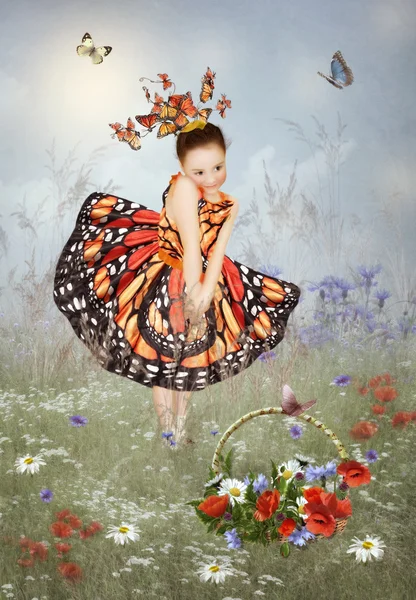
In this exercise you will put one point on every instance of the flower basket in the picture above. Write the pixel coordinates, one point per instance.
(282, 507)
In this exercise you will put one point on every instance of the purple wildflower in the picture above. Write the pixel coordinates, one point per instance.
(371, 456)
(267, 355)
(78, 421)
(232, 539)
(299, 536)
(381, 296)
(342, 380)
(260, 484)
(296, 432)
(46, 495)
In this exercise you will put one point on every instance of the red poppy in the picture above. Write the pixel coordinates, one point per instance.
(214, 506)
(26, 562)
(70, 570)
(401, 418)
(39, 550)
(62, 547)
(385, 393)
(75, 521)
(287, 527)
(267, 505)
(25, 543)
(363, 430)
(354, 473)
(313, 494)
(320, 519)
(60, 529)
(90, 530)
(60, 516)
(385, 378)
(378, 409)
(363, 391)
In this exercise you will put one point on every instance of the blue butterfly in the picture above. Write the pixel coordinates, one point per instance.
(341, 73)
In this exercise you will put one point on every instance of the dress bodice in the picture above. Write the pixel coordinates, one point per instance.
(212, 217)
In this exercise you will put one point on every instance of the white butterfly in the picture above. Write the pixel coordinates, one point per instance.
(87, 48)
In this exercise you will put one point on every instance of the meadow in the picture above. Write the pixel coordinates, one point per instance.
(105, 463)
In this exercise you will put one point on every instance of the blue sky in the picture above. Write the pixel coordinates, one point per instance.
(266, 55)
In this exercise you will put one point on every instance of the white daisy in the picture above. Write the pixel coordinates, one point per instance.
(123, 534)
(365, 550)
(30, 464)
(235, 490)
(301, 507)
(214, 480)
(215, 572)
(291, 468)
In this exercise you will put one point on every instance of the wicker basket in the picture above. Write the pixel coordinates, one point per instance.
(340, 523)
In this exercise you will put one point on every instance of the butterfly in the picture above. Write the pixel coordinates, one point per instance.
(204, 114)
(342, 75)
(157, 102)
(147, 121)
(127, 134)
(87, 48)
(207, 86)
(291, 406)
(222, 105)
(166, 128)
(165, 79)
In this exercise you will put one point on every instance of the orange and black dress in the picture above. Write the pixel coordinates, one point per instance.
(119, 281)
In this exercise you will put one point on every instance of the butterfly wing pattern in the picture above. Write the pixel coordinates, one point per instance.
(342, 75)
(87, 48)
(126, 303)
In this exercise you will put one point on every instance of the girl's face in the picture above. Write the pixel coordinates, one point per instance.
(206, 167)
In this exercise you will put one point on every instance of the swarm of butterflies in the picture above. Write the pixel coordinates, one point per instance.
(172, 115)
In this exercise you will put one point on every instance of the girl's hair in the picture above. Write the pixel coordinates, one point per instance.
(210, 134)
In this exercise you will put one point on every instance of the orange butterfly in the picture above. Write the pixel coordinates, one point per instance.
(204, 114)
(166, 128)
(127, 134)
(187, 107)
(166, 81)
(207, 86)
(167, 111)
(147, 121)
(222, 105)
(181, 121)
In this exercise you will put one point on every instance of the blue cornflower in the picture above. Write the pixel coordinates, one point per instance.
(78, 421)
(330, 469)
(313, 472)
(167, 434)
(342, 380)
(369, 274)
(299, 536)
(46, 495)
(232, 539)
(381, 296)
(296, 432)
(260, 484)
(267, 355)
(371, 456)
(214, 431)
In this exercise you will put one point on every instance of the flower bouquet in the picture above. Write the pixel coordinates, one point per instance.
(288, 511)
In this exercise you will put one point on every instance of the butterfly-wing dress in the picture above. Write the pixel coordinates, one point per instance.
(119, 281)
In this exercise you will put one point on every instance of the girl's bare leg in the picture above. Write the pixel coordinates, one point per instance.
(182, 401)
(163, 400)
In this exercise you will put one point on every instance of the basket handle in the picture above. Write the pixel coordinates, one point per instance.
(275, 410)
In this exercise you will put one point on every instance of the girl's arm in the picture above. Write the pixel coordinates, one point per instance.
(203, 293)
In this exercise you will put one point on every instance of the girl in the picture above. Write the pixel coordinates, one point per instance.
(154, 297)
